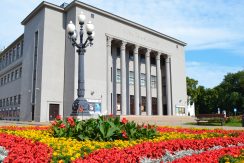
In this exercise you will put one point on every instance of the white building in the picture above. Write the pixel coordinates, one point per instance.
(39, 71)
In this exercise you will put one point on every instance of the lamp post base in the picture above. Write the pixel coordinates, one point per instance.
(80, 107)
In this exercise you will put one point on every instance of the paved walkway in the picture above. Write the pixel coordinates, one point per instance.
(180, 121)
(22, 123)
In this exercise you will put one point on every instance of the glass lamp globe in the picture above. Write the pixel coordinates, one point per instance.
(81, 18)
(90, 27)
(71, 28)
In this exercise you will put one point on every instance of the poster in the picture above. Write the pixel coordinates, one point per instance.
(94, 106)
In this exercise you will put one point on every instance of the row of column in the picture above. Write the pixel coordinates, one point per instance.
(137, 80)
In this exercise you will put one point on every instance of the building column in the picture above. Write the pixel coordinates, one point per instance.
(159, 86)
(136, 81)
(109, 42)
(168, 85)
(123, 79)
(148, 82)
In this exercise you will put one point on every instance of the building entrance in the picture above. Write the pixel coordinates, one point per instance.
(53, 111)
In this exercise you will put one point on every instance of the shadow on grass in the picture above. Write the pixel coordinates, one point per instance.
(214, 124)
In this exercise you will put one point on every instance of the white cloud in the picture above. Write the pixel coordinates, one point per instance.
(207, 74)
(203, 24)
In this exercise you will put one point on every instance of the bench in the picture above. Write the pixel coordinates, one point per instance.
(218, 118)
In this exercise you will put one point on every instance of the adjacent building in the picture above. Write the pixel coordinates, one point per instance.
(130, 69)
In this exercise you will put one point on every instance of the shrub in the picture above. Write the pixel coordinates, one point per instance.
(234, 119)
(102, 129)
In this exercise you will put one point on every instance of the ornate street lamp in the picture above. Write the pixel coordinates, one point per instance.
(80, 105)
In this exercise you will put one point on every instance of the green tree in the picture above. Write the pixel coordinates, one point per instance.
(191, 90)
(229, 94)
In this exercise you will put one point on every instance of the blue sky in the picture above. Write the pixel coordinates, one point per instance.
(213, 29)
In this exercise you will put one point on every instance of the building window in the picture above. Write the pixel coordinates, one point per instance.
(11, 101)
(131, 56)
(2, 81)
(15, 100)
(142, 58)
(92, 16)
(153, 81)
(20, 72)
(7, 102)
(19, 99)
(6, 60)
(131, 78)
(34, 67)
(3, 102)
(118, 52)
(22, 48)
(143, 79)
(3, 61)
(153, 61)
(118, 76)
(10, 58)
(5, 79)
(8, 78)
(18, 51)
(14, 54)
(16, 74)
(12, 76)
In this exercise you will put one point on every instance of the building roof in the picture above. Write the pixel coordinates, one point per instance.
(102, 12)
(12, 44)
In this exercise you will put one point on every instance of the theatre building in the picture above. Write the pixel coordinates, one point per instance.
(130, 69)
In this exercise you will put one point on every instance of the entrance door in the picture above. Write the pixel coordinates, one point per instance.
(132, 106)
(53, 111)
(32, 112)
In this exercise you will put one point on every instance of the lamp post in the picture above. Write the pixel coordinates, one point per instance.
(80, 105)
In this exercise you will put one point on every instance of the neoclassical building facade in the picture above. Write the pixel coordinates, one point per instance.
(130, 69)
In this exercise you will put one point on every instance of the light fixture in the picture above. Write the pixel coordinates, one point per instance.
(80, 105)
(70, 28)
(89, 28)
(74, 36)
(81, 18)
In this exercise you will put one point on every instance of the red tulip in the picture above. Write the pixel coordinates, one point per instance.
(71, 121)
(54, 123)
(62, 125)
(58, 117)
(124, 134)
(124, 121)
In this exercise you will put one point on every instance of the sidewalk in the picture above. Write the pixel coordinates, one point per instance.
(23, 123)
(180, 121)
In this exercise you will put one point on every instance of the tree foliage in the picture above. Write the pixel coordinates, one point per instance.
(229, 94)
(191, 90)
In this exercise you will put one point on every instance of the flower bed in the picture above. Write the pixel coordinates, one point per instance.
(175, 144)
(24, 150)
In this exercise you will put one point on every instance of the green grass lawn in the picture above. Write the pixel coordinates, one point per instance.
(233, 121)
(232, 124)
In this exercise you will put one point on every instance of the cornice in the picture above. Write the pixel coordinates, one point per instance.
(40, 7)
